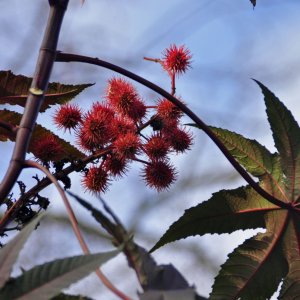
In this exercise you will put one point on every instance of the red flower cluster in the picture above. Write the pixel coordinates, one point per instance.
(114, 129)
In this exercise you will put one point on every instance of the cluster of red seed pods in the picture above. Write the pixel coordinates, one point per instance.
(119, 127)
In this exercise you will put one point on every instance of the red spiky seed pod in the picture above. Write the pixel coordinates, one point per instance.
(96, 180)
(116, 166)
(168, 110)
(179, 139)
(48, 148)
(126, 146)
(103, 110)
(122, 125)
(168, 126)
(84, 142)
(96, 129)
(156, 148)
(176, 60)
(125, 99)
(159, 175)
(68, 116)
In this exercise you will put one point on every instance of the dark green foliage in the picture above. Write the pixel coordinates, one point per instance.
(255, 268)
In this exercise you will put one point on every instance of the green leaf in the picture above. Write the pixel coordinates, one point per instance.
(255, 269)
(256, 159)
(286, 134)
(10, 252)
(243, 276)
(226, 211)
(39, 132)
(252, 271)
(14, 91)
(290, 288)
(47, 280)
(274, 183)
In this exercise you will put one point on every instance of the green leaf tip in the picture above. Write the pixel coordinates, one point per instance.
(286, 135)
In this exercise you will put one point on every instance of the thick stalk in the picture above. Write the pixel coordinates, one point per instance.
(36, 95)
(68, 57)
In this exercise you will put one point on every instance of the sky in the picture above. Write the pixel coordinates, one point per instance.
(230, 42)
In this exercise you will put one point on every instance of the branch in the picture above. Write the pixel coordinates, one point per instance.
(68, 57)
(36, 94)
(74, 222)
(11, 213)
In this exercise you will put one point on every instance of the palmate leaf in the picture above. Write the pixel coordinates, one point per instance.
(286, 134)
(255, 268)
(39, 132)
(225, 212)
(291, 285)
(14, 91)
(47, 280)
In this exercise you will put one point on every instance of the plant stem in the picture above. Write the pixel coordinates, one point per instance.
(157, 60)
(36, 94)
(68, 57)
(11, 213)
(173, 87)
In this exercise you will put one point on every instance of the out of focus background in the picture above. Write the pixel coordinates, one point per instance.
(230, 42)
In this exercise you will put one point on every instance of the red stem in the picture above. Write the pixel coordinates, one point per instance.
(173, 87)
(157, 60)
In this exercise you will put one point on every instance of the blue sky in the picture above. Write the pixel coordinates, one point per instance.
(230, 43)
